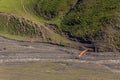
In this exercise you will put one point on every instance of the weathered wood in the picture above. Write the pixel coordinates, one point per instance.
(83, 52)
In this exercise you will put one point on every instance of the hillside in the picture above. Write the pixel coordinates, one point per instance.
(95, 21)
(90, 22)
(19, 28)
(22, 23)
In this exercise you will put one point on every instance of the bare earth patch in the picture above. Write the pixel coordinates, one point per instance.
(35, 61)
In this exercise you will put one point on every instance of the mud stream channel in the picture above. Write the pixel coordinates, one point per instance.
(17, 52)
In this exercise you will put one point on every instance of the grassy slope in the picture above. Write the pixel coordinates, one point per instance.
(15, 27)
(27, 8)
(5, 30)
(87, 18)
(90, 16)
(96, 21)
(19, 7)
(22, 8)
(16, 7)
(53, 8)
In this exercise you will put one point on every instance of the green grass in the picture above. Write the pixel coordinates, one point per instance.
(90, 16)
(53, 8)
(10, 6)
(51, 71)
(62, 40)
(13, 29)
(20, 7)
(15, 37)
(27, 9)
(21, 29)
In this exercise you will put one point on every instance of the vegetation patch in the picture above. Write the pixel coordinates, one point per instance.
(53, 8)
(18, 27)
(89, 19)
(89, 16)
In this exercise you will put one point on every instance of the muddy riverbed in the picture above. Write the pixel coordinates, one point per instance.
(17, 52)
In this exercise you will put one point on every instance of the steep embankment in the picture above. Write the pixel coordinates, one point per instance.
(49, 9)
(19, 20)
(96, 22)
(13, 25)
